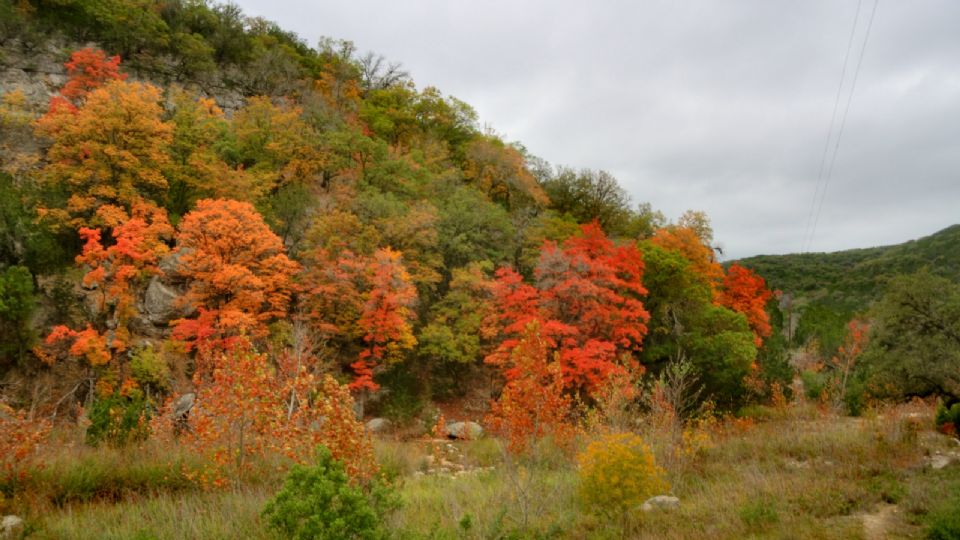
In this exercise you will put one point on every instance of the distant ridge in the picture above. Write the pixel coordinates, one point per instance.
(854, 278)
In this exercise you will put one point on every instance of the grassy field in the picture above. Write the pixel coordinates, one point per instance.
(795, 473)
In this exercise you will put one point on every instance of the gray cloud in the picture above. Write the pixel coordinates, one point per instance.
(719, 106)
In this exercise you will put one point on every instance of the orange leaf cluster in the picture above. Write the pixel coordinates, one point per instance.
(745, 292)
(250, 409)
(240, 277)
(20, 437)
(533, 404)
(386, 317)
(87, 343)
(87, 70)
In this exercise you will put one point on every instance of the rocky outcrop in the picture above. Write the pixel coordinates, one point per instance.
(464, 430)
(161, 303)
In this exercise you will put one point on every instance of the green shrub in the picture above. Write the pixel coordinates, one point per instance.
(855, 397)
(118, 420)
(404, 402)
(814, 384)
(150, 370)
(759, 514)
(948, 420)
(320, 502)
(944, 522)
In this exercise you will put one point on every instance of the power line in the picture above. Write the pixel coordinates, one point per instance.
(833, 121)
(843, 122)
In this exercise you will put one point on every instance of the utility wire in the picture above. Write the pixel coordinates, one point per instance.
(833, 121)
(843, 122)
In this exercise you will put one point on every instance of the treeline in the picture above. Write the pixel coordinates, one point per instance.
(338, 221)
(152, 234)
(826, 290)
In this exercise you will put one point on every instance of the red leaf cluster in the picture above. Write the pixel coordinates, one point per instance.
(587, 302)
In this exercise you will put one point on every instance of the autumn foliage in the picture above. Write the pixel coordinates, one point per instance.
(386, 317)
(618, 473)
(533, 404)
(587, 301)
(240, 278)
(87, 70)
(686, 241)
(251, 408)
(20, 438)
(109, 153)
(745, 292)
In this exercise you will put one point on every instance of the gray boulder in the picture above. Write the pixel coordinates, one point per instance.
(378, 425)
(11, 527)
(160, 303)
(183, 404)
(464, 430)
(181, 412)
(170, 265)
(660, 502)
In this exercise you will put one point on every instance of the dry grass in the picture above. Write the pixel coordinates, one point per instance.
(798, 474)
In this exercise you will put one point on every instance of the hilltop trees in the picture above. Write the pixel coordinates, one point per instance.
(342, 223)
(915, 339)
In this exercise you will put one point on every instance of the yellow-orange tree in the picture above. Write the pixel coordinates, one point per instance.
(245, 414)
(240, 279)
(108, 153)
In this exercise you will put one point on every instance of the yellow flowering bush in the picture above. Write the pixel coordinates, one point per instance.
(618, 473)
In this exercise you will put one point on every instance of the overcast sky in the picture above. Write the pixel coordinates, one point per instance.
(716, 106)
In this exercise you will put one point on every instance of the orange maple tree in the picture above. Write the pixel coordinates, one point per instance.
(87, 70)
(240, 279)
(386, 318)
(245, 414)
(746, 292)
(533, 403)
(20, 437)
(587, 302)
(332, 288)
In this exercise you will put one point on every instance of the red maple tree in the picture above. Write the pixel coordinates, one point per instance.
(586, 301)
(745, 292)
(386, 318)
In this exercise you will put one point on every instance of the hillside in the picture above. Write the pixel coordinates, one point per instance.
(852, 279)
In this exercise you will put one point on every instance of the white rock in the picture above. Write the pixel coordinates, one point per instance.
(11, 527)
(660, 502)
(378, 425)
(464, 430)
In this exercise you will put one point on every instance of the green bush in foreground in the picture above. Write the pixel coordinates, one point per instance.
(945, 523)
(320, 502)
